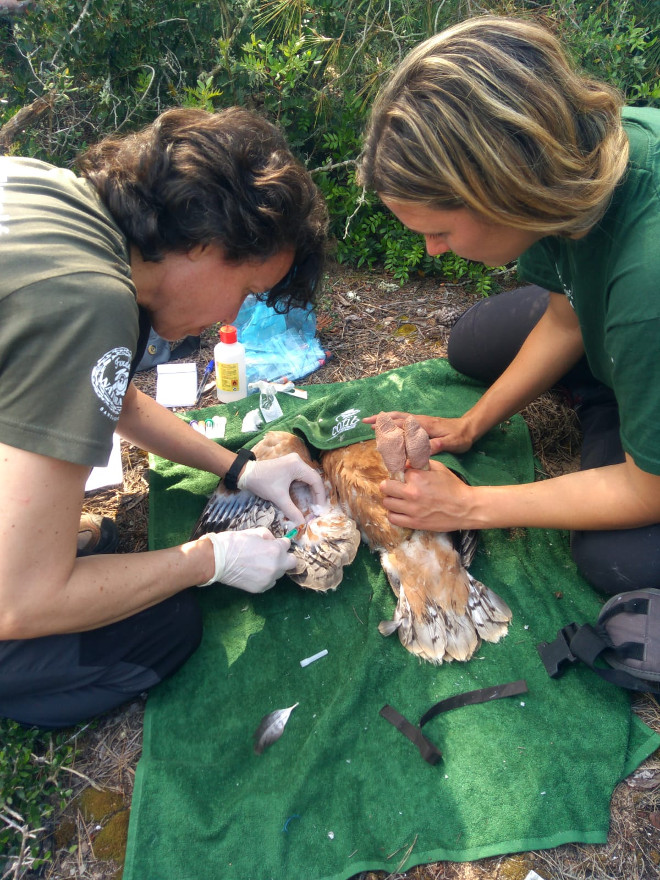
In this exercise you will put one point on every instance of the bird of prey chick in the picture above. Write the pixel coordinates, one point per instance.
(326, 541)
(442, 611)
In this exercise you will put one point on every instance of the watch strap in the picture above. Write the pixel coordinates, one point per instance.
(243, 455)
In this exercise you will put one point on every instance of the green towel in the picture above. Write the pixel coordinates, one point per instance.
(343, 791)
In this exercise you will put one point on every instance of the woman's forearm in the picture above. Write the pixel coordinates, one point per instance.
(596, 499)
(104, 589)
(550, 350)
(44, 588)
(615, 497)
(152, 427)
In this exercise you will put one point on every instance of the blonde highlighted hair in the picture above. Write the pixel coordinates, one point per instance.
(490, 115)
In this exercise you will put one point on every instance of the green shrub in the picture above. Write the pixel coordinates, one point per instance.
(617, 42)
(312, 67)
(32, 788)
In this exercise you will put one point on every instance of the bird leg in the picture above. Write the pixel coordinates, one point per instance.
(398, 445)
(418, 445)
(391, 445)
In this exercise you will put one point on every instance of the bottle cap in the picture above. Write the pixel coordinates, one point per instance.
(228, 334)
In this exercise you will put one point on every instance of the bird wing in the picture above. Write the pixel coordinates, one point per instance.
(275, 444)
(430, 570)
(234, 511)
(323, 546)
(355, 474)
(327, 540)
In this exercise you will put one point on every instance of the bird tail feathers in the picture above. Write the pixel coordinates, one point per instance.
(438, 634)
(489, 612)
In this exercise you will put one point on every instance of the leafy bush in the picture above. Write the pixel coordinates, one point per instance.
(618, 42)
(312, 67)
(32, 788)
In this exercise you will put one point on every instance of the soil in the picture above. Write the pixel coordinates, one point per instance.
(369, 325)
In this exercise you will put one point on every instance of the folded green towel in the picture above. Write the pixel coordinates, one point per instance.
(343, 791)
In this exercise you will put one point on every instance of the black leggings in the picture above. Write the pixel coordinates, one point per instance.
(57, 681)
(482, 344)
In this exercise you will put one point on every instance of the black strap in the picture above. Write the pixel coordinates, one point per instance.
(426, 748)
(230, 479)
(627, 606)
(588, 644)
(557, 655)
(471, 698)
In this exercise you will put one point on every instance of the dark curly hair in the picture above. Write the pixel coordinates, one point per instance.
(194, 177)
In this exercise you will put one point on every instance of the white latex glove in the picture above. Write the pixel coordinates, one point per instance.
(272, 479)
(251, 560)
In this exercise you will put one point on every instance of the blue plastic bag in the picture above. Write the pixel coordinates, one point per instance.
(278, 346)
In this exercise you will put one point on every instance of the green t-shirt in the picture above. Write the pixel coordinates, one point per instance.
(612, 279)
(68, 314)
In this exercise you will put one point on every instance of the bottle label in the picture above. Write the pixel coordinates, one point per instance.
(227, 377)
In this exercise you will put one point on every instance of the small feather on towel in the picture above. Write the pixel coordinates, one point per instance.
(271, 728)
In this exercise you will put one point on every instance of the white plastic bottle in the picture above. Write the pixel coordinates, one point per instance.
(229, 356)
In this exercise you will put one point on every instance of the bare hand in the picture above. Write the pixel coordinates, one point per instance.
(435, 500)
(447, 435)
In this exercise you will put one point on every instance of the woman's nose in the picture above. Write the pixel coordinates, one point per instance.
(435, 246)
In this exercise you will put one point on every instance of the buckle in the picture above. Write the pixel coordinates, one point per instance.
(557, 655)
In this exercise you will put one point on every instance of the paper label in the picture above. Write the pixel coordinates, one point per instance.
(227, 377)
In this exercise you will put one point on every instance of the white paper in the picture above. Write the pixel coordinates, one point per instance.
(290, 388)
(252, 421)
(110, 475)
(176, 384)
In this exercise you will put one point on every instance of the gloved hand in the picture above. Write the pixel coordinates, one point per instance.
(251, 560)
(272, 479)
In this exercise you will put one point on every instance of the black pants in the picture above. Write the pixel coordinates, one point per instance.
(482, 344)
(57, 681)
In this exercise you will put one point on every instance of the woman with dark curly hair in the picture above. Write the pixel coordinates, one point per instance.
(172, 228)
(488, 143)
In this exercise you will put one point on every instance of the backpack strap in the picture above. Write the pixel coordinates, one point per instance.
(637, 605)
(557, 655)
(588, 643)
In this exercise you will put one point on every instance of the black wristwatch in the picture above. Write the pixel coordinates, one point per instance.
(231, 477)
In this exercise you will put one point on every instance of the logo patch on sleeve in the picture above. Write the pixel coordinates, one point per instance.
(110, 380)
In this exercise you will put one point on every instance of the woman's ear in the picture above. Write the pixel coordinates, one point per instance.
(197, 251)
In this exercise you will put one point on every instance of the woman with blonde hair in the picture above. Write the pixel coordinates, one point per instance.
(490, 144)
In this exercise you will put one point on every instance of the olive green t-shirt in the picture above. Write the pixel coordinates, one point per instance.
(68, 314)
(612, 279)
